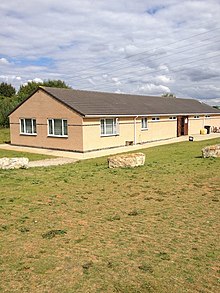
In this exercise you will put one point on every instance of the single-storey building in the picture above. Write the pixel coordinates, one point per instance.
(83, 121)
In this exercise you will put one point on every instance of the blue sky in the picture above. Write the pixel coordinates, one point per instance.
(143, 47)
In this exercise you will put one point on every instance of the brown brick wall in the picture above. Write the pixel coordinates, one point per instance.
(41, 106)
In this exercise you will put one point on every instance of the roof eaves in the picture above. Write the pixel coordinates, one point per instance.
(149, 115)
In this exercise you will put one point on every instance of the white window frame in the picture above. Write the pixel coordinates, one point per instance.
(25, 128)
(172, 117)
(207, 116)
(155, 118)
(144, 123)
(115, 127)
(62, 127)
(196, 117)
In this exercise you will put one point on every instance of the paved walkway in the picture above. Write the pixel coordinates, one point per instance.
(51, 162)
(95, 154)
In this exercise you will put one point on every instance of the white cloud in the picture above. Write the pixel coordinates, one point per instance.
(70, 39)
(164, 79)
(10, 78)
(154, 89)
(91, 81)
(4, 61)
(116, 81)
(38, 80)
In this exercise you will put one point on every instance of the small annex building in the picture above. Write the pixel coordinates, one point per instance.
(83, 121)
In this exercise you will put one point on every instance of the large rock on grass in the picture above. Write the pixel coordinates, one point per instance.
(128, 160)
(212, 151)
(13, 163)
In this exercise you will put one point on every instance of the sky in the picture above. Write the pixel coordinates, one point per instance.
(126, 46)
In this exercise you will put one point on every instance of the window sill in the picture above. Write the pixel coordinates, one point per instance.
(107, 135)
(144, 129)
(29, 134)
(59, 136)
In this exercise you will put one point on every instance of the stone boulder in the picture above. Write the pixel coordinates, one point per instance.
(211, 151)
(13, 163)
(128, 160)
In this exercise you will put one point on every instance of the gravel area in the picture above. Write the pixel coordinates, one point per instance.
(51, 162)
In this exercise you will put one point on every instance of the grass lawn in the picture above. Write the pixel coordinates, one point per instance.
(5, 137)
(86, 228)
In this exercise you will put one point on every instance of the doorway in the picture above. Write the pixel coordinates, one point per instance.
(182, 125)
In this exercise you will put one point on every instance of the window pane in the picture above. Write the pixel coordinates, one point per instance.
(116, 126)
(109, 126)
(22, 125)
(34, 126)
(102, 126)
(28, 125)
(144, 123)
(50, 127)
(65, 127)
(57, 127)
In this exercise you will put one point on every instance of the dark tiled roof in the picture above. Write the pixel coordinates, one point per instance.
(98, 103)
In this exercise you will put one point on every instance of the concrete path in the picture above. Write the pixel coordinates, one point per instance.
(51, 162)
(101, 153)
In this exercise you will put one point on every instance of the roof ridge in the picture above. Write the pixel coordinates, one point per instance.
(110, 93)
(126, 94)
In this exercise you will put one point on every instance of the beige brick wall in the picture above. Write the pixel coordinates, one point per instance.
(162, 129)
(195, 124)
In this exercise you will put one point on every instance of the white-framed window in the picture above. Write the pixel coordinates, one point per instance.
(172, 117)
(109, 126)
(207, 116)
(28, 126)
(144, 123)
(155, 118)
(196, 117)
(57, 127)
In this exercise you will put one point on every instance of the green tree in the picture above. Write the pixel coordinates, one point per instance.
(6, 106)
(55, 83)
(168, 95)
(26, 90)
(9, 102)
(7, 90)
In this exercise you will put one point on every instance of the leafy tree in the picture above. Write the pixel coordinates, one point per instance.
(168, 95)
(55, 83)
(8, 103)
(6, 106)
(7, 90)
(26, 90)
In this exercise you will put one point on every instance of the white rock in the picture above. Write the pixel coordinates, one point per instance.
(128, 160)
(211, 151)
(13, 163)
